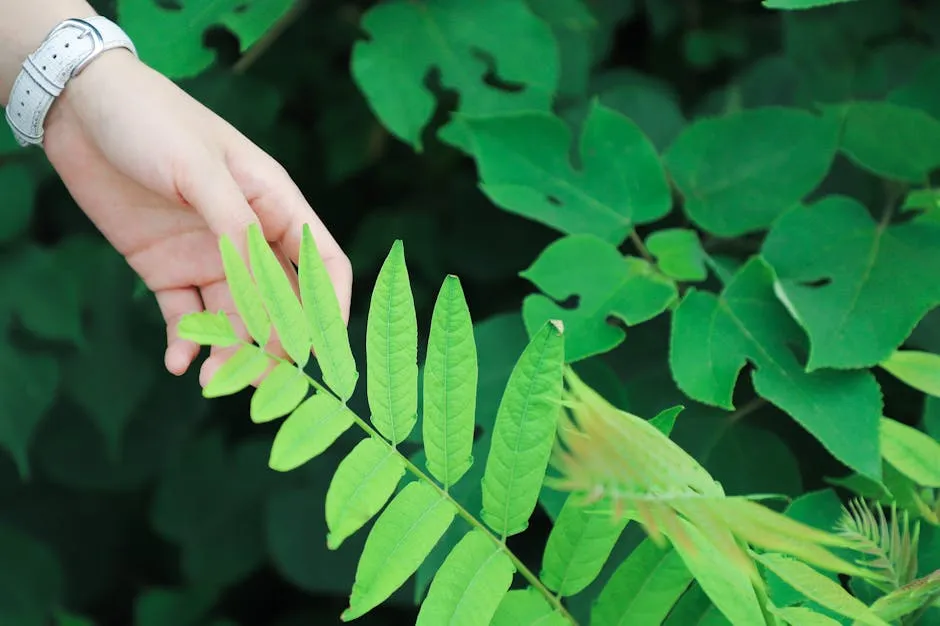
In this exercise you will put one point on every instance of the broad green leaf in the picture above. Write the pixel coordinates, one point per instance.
(469, 585)
(779, 156)
(16, 207)
(643, 589)
(891, 140)
(576, 31)
(728, 586)
(308, 431)
(279, 298)
(920, 370)
(694, 607)
(170, 38)
(524, 434)
(606, 284)
(526, 606)
(802, 616)
(525, 168)
(409, 40)
(450, 386)
(279, 393)
(245, 293)
(364, 481)
(919, 92)
(31, 582)
(327, 330)
(678, 253)
(713, 337)
(913, 453)
(28, 386)
(838, 274)
(392, 350)
(818, 588)
(800, 4)
(578, 546)
(401, 538)
(208, 329)
(241, 369)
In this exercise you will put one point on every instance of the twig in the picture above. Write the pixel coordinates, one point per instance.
(267, 40)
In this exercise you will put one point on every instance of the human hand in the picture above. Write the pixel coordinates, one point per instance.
(162, 178)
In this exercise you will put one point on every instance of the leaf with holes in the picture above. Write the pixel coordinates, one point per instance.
(858, 287)
(606, 283)
(714, 337)
(525, 168)
(308, 431)
(779, 156)
(408, 40)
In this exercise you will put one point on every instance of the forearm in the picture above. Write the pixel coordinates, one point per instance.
(23, 26)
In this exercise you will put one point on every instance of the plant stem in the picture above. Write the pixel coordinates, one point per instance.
(641, 247)
(521, 567)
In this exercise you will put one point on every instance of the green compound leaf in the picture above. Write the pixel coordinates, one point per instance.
(842, 275)
(818, 588)
(713, 337)
(643, 589)
(392, 350)
(171, 40)
(525, 168)
(913, 453)
(526, 606)
(364, 481)
(327, 329)
(279, 393)
(450, 386)
(308, 431)
(890, 140)
(401, 539)
(800, 4)
(208, 329)
(524, 433)
(245, 293)
(679, 254)
(244, 367)
(28, 386)
(578, 546)
(408, 40)
(279, 298)
(779, 156)
(606, 283)
(920, 370)
(469, 585)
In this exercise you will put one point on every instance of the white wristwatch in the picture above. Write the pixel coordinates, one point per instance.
(66, 51)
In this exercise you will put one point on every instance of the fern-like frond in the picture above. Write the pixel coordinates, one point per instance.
(891, 544)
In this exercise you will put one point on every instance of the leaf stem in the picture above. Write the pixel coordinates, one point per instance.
(641, 247)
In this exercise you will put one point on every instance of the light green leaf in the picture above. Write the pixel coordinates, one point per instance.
(713, 337)
(913, 453)
(525, 168)
(779, 156)
(170, 39)
(838, 275)
(28, 386)
(402, 537)
(408, 40)
(279, 298)
(364, 481)
(208, 329)
(643, 589)
(526, 606)
(392, 350)
(891, 140)
(802, 616)
(245, 293)
(524, 433)
(327, 330)
(308, 431)
(241, 369)
(818, 588)
(578, 546)
(606, 283)
(450, 386)
(909, 598)
(469, 585)
(678, 253)
(279, 393)
(920, 370)
(792, 5)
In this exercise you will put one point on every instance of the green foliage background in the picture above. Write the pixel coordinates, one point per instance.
(694, 129)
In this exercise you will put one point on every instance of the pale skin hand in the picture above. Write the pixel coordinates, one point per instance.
(162, 177)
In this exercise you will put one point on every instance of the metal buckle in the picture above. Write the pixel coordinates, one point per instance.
(87, 29)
